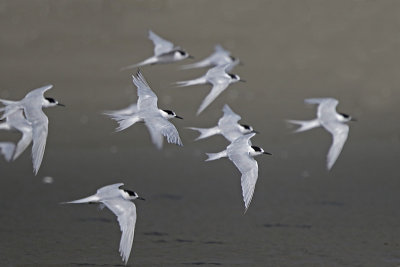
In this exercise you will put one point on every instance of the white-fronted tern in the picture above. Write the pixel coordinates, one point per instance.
(332, 121)
(241, 153)
(228, 126)
(219, 57)
(164, 52)
(220, 80)
(32, 105)
(119, 201)
(155, 119)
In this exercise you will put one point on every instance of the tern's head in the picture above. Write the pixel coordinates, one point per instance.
(345, 118)
(51, 102)
(180, 54)
(245, 129)
(169, 114)
(235, 78)
(130, 195)
(258, 151)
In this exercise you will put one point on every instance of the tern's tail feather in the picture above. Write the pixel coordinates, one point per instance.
(214, 156)
(201, 80)
(91, 199)
(125, 121)
(148, 61)
(205, 132)
(200, 64)
(7, 149)
(305, 125)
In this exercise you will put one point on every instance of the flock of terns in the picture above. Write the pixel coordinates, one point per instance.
(27, 117)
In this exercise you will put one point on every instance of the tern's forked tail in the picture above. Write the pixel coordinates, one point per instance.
(200, 64)
(201, 80)
(148, 61)
(214, 156)
(91, 199)
(205, 132)
(305, 125)
(125, 121)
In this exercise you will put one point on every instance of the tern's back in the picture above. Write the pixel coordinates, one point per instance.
(109, 191)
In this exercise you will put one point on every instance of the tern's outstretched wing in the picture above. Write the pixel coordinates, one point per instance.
(158, 127)
(24, 142)
(126, 214)
(228, 124)
(39, 130)
(238, 153)
(109, 188)
(216, 90)
(339, 133)
(18, 121)
(326, 107)
(39, 91)
(147, 98)
(161, 45)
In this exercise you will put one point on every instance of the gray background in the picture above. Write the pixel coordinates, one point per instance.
(301, 215)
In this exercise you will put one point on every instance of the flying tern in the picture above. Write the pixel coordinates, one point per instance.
(241, 153)
(32, 105)
(332, 121)
(119, 201)
(164, 52)
(155, 119)
(218, 78)
(219, 57)
(228, 126)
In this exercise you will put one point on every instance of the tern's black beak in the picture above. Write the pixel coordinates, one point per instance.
(256, 132)
(353, 119)
(61, 105)
(243, 81)
(179, 117)
(191, 57)
(267, 153)
(141, 198)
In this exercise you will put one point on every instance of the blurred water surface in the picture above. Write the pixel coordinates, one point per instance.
(301, 215)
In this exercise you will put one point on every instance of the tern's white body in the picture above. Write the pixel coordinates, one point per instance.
(31, 105)
(228, 126)
(220, 80)
(332, 121)
(119, 201)
(164, 52)
(241, 153)
(218, 58)
(147, 111)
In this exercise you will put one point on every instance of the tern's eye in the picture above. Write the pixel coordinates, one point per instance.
(256, 148)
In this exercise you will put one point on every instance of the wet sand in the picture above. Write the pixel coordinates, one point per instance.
(301, 215)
